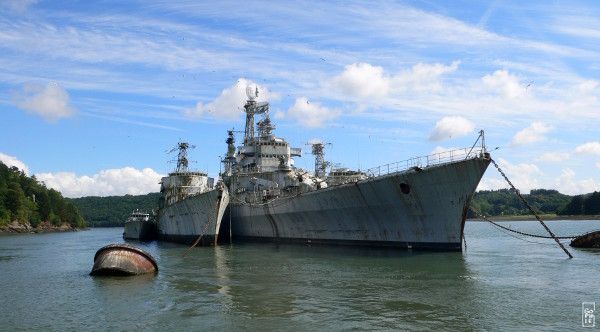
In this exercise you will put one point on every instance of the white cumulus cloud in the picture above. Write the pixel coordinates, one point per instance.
(451, 126)
(532, 134)
(111, 182)
(505, 84)
(311, 114)
(567, 184)
(362, 80)
(11, 161)
(592, 148)
(422, 77)
(50, 101)
(230, 104)
(522, 176)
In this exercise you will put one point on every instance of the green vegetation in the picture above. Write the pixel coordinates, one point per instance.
(505, 202)
(27, 201)
(582, 204)
(112, 211)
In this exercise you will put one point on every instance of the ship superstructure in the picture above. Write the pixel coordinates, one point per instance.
(191, 204)
(419, 203)
(139, 226)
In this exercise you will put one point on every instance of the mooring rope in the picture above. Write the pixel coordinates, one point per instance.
(205, 227)
(531, 210)
(518, 232)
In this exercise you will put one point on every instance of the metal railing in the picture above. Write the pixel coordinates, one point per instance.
(426, 161)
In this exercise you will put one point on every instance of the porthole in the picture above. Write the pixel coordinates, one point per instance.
(405, 188)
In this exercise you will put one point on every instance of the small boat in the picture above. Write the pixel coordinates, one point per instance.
(139, 227)
(123, 259)
(587, 240)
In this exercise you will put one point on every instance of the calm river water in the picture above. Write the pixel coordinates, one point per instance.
(499, 283)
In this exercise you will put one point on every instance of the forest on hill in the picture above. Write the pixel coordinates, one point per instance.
(505, 202)
(27, 201)
(112, 211)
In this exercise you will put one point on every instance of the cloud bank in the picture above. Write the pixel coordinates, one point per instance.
(112, 182)
(532, 134)
(50, 101)
(230, 104)
(311, 114)
(451, 126)
(11, 161)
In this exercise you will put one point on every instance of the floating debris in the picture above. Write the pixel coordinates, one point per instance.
(587, 240)
(123, 259)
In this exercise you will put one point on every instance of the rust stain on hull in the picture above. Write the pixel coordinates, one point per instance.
(123, 259)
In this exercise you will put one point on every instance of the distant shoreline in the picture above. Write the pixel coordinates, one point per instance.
(16, 228)
(543, 217)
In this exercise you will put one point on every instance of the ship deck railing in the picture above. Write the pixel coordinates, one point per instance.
(426, 161)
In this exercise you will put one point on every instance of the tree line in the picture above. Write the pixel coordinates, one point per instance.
(26, 200)
(543, 201)
(582, 204)
(112, 211)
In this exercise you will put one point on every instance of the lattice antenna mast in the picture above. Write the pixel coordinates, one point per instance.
(251, 108)
(320, 163)
(230, 156)
(182, 160)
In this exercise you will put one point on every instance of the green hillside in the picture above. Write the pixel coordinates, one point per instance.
(27, 201)
(112, 211)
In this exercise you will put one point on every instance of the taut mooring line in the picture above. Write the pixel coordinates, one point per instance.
(531, 209)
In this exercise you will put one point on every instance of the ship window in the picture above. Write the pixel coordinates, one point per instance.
(405, 188)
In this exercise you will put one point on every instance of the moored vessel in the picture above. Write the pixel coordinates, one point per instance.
(191, 205)
(418, 203)
(139, 227)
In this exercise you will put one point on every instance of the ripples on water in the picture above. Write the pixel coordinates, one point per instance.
(499, 283)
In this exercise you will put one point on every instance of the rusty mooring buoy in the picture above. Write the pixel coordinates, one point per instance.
(123, 259)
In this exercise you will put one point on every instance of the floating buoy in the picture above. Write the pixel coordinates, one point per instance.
(123, 259)
(587, 240)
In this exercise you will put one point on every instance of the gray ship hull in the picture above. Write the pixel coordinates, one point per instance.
(139, 230)
(184, 221)
(418, 208)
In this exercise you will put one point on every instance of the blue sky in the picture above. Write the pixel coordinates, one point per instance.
(92, 94)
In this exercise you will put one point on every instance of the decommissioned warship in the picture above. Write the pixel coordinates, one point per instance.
(191, 205)
(418, 203)
(139, 226)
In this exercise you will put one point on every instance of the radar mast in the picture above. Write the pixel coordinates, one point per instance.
(251, 108)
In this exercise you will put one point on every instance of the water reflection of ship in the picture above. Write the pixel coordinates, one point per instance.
(419, 203)
(223, 273)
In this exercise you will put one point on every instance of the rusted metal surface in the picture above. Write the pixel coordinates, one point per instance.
(588, 240)
(123, 259)
(417, 203)
(419, 209)
(185, 220)
(186, 207)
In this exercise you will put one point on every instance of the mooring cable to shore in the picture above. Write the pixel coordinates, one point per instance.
(530, 209)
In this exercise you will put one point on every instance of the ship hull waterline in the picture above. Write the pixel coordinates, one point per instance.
(139, 230)
(421, 208)
(184, 221)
